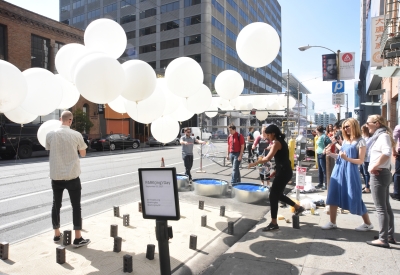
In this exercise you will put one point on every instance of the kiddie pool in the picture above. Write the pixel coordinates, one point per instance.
(210, 187)
(182, 182)
(249, 192)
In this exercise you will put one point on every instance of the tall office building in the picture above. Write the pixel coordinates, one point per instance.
(324, 119)
(206, 30)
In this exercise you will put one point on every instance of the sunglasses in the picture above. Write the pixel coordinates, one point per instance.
(371, 122)
(345, 127)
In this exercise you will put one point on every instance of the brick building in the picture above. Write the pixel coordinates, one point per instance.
(28, 40)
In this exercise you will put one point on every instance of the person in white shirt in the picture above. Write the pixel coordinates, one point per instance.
(380, 151)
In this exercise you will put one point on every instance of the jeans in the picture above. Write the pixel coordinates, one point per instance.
(282, 177)
(396, 178)
(365, 173)
(321, 169)
(74, 189)
(235, 167)
(188, 162)
(380, 194)
(250, 151)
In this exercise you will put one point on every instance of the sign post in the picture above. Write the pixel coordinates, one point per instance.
(160, 201)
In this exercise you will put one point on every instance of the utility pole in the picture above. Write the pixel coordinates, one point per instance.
(287, 107)
(338, 77)
(298, 109)
(347, 105)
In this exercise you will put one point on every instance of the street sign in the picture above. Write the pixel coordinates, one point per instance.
(338, 87)
(338, 99)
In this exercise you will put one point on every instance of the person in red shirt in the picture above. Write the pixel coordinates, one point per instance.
(235, 152)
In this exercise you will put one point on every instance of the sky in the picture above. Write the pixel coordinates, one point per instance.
(334, 24)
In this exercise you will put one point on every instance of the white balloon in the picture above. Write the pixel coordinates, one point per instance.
(260, 102)
(245, 108)
(256, 134)
(165, 129)
(182, 113)
(99, 78)
(106, 36)
(213, 107)
(44, 92)
(236, 102)
(229, 84)
(172, 101)
(262, 115)
(19, 115)
(70, 94)
(282, 101)
(13, 87)
(140, 80)
(118, 105)
(46, 128)
(184, 76)
(258, 44)
(224, 104)
(200, 101)
(148, 110)
(292, 102)
(274, 107)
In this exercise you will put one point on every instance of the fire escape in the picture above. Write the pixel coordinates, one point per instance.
(390, 41)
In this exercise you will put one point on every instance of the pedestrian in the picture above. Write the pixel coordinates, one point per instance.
(262, 151)
(280, 151)
(249, 144)
(380, 152)
(235, 152)
(322, 142)
(396, 154)
(364, 167)
(188, 142)
(345, 185)
(64, 143)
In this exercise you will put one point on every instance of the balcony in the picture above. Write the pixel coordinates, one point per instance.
(390, 40)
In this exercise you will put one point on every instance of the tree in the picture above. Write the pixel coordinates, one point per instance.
(81, 121)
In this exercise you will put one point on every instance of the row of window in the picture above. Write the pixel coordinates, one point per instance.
(164, 63)
(110, 8)
(2, 42)
(169, 7)
(217, 43)
(231, 18)
(188, 40)
(78, 4)
(218, 6)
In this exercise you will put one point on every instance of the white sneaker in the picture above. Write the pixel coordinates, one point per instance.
(329, 225)
(365, 227)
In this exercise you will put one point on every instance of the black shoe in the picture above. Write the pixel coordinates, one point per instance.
(323, 187)
(299, 210)
(56, 239)
(395, 197)
(81, 242)
(390, 239)
(319, 186)
(270, 227)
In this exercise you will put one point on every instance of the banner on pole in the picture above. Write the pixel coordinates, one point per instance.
(347, 66)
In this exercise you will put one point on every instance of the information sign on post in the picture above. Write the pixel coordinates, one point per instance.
(338, 99)
(301, 173)
(338, 87)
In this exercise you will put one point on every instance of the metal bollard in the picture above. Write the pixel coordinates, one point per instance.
(150, 251)
(170, 234)
(231, 228)
(114, 230)
(222, 211)
(204, 220)
(140, 207)
(201, 205)
(117, 244)
(127, 264)
(193, 242)
(296, 221)
(116, 211)
(4, 246)
(60, 254)
(67, 237)
(126, 220)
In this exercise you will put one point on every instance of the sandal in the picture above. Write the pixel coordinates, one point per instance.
(270, 227)
(366, 192)
(390, 239)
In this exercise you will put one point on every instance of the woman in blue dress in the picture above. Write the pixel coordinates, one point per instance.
(345, 184)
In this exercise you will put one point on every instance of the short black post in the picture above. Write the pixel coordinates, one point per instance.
(222, 211)
(150, 251)
(60, 254)
(231, 228)
(4, 246)
(116, 211)
(296, 221)
(140, 207)
(170, 234)
(201, 205)
(126, 220)
(193, 242)
(67, 237)
(128, 263)
(204, 220)
(114, 230)
(117, 244)
(163, 246)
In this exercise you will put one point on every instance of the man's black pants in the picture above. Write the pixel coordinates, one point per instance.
(188, 162)
(74, 189)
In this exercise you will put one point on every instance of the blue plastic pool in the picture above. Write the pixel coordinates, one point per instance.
(250, 187)
(210, 182)
(181, 177)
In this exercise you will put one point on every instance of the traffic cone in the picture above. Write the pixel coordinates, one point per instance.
(162, 162)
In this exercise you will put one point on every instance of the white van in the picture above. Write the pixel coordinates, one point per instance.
(196, 132)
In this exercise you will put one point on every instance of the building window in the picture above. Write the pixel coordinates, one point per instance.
(169, 25)
(169, 7)
(3, 42)
(93, 14)
(233, 4)
(231, 52)
(131, 34)
(218, 62)
(245, 3)
(213, 77)
(110, 8)
(232, 19)
(78, 4)
(39, 52)
(243, 15)
(253, 11)
(192, 20)
(218, 6)
(218, 24)
(148, 13)
(193, 39)
(217, 43)
(231, 67)
(125, 3)
(231, 35)
(152, 64)
(78, 19)
(173, 43)
(164, 63)
(196, 57)
(147, 48)
(92, 1)
(66, 8)
(147, 31)
(66, 21)
(128, 18)
(57, 47)
(189, 3)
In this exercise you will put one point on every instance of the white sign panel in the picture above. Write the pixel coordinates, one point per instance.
(338, 99)
(347, 66)
(300, 177)
(377, 28)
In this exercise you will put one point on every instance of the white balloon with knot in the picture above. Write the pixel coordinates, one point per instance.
(46, 128)
(182, 113)
(20, 116)
(165, 129)
(212, 110)
(70, 94)
(172, 101)
(262, 115)
(118, 105)
(229, 84)
(200, 101)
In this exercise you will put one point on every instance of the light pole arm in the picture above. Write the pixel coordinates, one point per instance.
(323, 48)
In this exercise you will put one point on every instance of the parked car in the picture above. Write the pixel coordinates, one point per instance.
(153, 142)
(113, 142)
(219, 135)
(86, 140)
